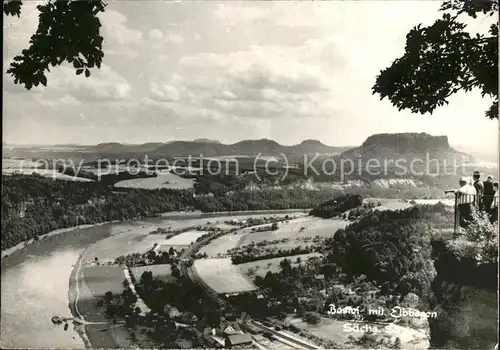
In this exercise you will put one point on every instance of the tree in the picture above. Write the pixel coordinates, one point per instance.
(312, 317)
(443, 59)
(68, 31)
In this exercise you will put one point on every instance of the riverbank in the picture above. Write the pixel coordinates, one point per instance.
(23, 245)
(83, 305)
(231, 213)
(167, 215)
(73, 296)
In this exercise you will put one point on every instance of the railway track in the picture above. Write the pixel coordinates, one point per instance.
(302, 345)
(190, 273)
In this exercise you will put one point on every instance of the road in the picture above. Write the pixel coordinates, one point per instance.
(190, 273)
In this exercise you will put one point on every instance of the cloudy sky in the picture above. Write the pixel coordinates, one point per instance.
(230, 71)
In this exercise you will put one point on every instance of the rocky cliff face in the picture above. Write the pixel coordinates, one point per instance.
(465, 298)
(409, 142)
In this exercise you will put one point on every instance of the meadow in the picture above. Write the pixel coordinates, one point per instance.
(101, 279)
(295, 228)
(222, 276)
(167, 180)
(261, 267)
(221, 245)
(184, 238)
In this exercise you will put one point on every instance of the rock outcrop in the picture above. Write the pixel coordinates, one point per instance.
(465, 299)
(409, 142)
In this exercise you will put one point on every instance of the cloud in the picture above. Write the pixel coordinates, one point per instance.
(164, 92)
(174, 38)
(115, 29)
(157, 36)
(103, 84)
(270, 81)
(237, 13)
(123, 52)
(290, 77)
(64, 101)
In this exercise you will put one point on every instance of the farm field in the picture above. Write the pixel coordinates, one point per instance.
(222, 244)
(160, 271)
(261, 267)
(169, 180)
(184, 238)
(222, 276)
(301, 227)
(101, 279)
(93, 283)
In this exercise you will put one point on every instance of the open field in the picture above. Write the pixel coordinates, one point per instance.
(124, 240)
(184, 238)
(291, 230)
(19, 163)
(388, 204)
(128, 238)
(101, 279)
(222, 244)
(92, 283)
(261, 267)
(222, 276)
(446, 201)
(168, 180)
(301, 227)
(182, 220)
(161, 271)
(334, 330)
(53, 174)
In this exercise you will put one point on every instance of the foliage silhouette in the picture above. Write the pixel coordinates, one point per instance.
(68, 31)
(443, 59)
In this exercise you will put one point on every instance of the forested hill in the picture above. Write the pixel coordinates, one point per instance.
(391, 248)
(33, 206)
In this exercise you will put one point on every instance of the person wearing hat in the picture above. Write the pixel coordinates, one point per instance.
(488, 192)
(479, 186)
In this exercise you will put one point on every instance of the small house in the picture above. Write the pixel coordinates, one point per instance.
(235, 340)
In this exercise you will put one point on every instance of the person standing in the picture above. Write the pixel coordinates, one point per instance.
(494, 204)
(478, 185)
(488, 192)
(465, 198)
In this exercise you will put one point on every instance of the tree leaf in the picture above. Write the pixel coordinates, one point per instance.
(87, 73)
(79, 71)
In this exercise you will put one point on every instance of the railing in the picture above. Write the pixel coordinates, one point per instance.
(464, 204)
